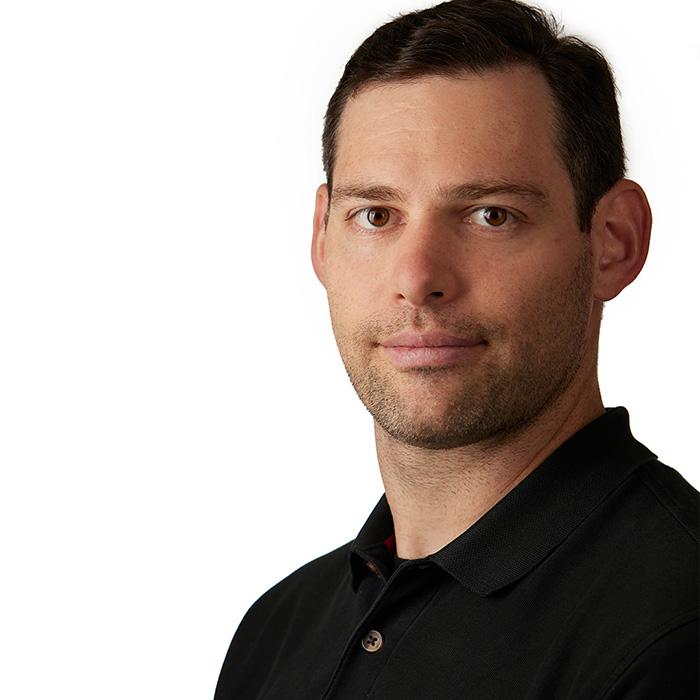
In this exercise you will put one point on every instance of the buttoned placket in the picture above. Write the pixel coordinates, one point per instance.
(373, 641)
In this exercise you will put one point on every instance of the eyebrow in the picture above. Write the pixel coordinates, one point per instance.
(468, 191)
(368, 192)
(480, 190)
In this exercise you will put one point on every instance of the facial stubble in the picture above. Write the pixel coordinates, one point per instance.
(512, 378)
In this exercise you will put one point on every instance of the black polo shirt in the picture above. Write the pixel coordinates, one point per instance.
(581, 583)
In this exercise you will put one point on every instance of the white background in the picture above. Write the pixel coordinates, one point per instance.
(176, 430)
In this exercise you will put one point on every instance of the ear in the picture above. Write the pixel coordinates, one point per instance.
(319, 237)
(620, 238)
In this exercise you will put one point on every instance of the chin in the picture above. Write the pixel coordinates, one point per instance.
(430, 439)
(433, 415)
(460, 425)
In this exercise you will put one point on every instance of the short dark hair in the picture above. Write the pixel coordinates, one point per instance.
(479, 35)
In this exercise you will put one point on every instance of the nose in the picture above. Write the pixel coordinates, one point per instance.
(425, 266)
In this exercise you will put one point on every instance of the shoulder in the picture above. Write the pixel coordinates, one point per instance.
(295, 598)
(649, 533)
(652, 574)
(308, 584)
(658, 519)
(664, 663)
(277, 624)
(675, 496)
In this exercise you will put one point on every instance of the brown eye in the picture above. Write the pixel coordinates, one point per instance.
(378, 217)
(495, 217)
(373, 217)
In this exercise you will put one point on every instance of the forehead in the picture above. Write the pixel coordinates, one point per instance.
(443, 130)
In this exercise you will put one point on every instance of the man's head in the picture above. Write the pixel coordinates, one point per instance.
(465, 293)
(475, 36)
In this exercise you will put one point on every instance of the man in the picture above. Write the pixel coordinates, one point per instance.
(474, 221)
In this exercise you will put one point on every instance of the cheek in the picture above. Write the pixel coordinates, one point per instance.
(345, 302)
(351, 284)
(498, 287)
(541, 297)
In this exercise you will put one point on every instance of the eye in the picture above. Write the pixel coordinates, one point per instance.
(493, 217)
(372, 217)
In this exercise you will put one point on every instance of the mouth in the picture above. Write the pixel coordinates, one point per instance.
(412, 350)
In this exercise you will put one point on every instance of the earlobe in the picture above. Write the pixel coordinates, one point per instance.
(620, 238)
(319, 235)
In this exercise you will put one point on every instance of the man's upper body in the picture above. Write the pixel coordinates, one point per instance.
(580, 583)
(474, 222)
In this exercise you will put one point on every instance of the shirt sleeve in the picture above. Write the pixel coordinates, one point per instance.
(668, 667)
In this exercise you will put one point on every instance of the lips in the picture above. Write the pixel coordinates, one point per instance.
(428, 349)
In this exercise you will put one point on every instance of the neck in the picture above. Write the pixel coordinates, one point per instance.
(435, 495)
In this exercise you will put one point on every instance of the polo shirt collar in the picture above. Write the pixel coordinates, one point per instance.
(374, 547)
(516, 534)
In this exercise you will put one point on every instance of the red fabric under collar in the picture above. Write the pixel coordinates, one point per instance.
(390, 543)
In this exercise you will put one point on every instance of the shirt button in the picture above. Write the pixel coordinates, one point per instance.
(373, 569)
(372, 641)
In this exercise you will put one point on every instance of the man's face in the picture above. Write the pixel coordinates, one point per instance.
(458, 282)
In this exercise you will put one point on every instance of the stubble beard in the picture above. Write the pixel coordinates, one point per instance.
(484, 399)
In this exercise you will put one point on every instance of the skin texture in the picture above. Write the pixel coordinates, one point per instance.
(465, 301)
